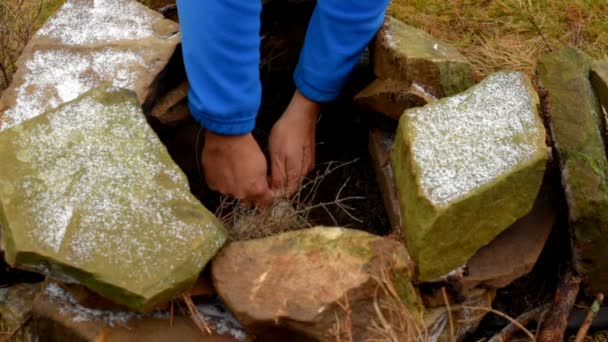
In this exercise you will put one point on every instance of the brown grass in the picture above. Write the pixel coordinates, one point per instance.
(510, 34)
(285, 214)
(19, 20)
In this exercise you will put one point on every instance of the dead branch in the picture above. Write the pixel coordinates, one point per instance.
(503, 315)
(555, 324)
(524, 319)
(593, 310)
(16, 330)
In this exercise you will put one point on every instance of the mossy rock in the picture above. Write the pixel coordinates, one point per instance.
(404, 53)
(577, 128)
(466, 168)
(89, 194)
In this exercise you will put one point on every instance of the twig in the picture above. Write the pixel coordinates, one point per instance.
(449, 311)
(510, 330)
(16, 330)
(198, 319)
(555, 324)
(540, 32)
(593, 310)
(503, 315)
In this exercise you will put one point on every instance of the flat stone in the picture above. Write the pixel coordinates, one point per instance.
(404, 53)
(391, 97)
(514, 252)
(172, 109)
(89, 194)
(599, 79)
(466, 168)
(59, 316)
(85, 44)
(577, 128)
(296, 282)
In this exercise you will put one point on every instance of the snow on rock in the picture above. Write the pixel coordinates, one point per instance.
(89, 43)
(466, 168)
(89, 194)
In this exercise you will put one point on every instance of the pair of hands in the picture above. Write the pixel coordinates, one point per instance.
(236, 166)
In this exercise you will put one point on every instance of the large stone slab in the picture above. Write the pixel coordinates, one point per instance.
(89, 194)
(404, 53)
(577, 128)
(300, 282)
(466, 168)
(59, 316)
(85, 44)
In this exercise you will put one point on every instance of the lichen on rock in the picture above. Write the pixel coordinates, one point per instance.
(467, 167)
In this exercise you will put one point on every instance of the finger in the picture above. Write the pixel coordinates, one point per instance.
(260, 194)
(278, 178)
(294, 175)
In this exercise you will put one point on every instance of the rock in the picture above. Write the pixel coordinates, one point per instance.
(466, 168)
(88, 43)
(172, 109)
(407, 54)
(465, 320)
(380, 143)
(16, 308)
(577, 127)
(599, 79)
(511, 255)
(391, 97)
(296, 282)
(89, 194)
(514, 252)
(58, 316)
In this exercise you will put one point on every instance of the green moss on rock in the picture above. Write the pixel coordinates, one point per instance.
(466, 168)
(577, 128)
(95, 198)
(404, 53)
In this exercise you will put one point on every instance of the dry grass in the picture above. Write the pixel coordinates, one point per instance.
(19, 20)
(510, 34)
(285, 214)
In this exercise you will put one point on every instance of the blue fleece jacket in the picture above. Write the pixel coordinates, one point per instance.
(221, 46)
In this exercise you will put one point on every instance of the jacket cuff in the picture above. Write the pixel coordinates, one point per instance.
(306, 81)
(245, 124)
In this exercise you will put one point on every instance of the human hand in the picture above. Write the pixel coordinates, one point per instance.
(292, 144)
(235, 165)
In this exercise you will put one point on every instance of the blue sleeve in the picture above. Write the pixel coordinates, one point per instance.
(337, 35)
(221, 46)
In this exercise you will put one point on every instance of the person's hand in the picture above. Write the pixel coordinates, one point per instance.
(292, 145)
(235, 165)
